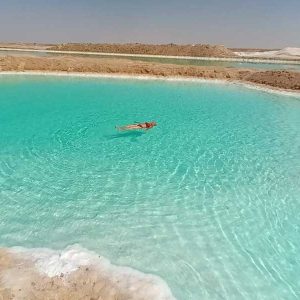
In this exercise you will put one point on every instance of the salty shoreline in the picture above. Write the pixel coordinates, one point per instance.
(278, 80)
(248, 85)
(74, 273)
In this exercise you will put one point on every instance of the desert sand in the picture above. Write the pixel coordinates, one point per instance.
(147, 49)
(277, 79)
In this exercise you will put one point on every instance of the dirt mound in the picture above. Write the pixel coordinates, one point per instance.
(169, 49)
(113, 66)
(280, 79)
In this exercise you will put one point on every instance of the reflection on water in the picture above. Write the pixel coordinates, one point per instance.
(132, 135)
(23, 53)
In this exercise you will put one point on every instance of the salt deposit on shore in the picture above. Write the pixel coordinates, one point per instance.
(287, 53)
(74, 273)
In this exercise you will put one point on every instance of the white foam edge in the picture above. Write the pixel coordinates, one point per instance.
(56, 262)
(248, 85)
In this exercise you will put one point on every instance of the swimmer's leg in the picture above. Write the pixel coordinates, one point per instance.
(121, 128)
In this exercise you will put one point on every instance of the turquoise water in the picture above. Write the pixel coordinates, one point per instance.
(188, 62)
(209, 200)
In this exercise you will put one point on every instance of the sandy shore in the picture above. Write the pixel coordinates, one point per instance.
(39, 275)
(285, 80)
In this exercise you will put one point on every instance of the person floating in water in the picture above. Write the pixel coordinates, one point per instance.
(145, 126)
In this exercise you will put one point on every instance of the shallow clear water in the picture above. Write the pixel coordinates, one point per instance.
(188, 62)
(22, 53)
(209, 199)
(224, 64)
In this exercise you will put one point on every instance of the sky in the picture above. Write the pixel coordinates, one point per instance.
(233, 23)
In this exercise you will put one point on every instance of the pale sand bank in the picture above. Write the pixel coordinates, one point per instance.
(285, 53)
(71, 274)
(286, 80)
